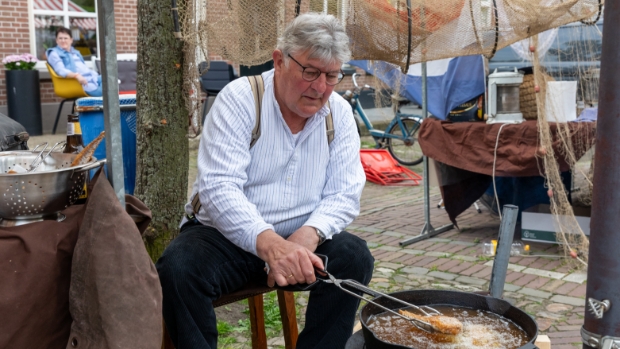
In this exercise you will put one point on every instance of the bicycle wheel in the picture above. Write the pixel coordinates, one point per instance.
(405, 147)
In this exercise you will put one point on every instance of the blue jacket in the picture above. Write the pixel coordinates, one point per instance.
(66, 57)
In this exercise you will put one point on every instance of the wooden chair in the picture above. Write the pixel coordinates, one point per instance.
(68, 89)
(254, 294)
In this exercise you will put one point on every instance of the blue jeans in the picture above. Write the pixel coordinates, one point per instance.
(201, 265)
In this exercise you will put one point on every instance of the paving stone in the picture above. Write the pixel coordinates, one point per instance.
(463, 243)
(552, 285)
(576, 277)
(464, 258)
(512, 276)
(566, 288)
(389, 248)
(535, 293)
(543, 324)
(476, 268)
(379, 279)
(511, 288)
(392, 233)
(389, 265)
(370, 230)
(558, 307)
(580, 291)
(400, 279)
(513, 267)
(568, 300)
(545, 273)
(439, 239)
(442, 275)
(459, 268)
(412, 261)
(382, 284)
(467, 288)
(415, 270)
(538, 282)
(549, 315)
(437, 254)
(425, 261)
(279, 341)
(524, 280)
(485, 273)
(569, 328)
(471, 280)
(414, 252)
(449, 264)
(384, 270)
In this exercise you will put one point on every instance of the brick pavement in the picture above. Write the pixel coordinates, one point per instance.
(548, 287)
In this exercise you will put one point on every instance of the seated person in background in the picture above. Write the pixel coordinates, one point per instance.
(69, 63)
(288, 197)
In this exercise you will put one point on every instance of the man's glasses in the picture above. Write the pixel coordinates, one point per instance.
(311, 74)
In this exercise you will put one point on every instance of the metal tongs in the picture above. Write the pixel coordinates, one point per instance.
(423, 325)
(40, 157)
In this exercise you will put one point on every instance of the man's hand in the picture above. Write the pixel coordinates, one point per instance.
(289, 262)
(305, 236)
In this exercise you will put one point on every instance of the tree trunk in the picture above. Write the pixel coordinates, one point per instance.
(162, 149)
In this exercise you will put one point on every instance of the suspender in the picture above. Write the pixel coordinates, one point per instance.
(258, 89)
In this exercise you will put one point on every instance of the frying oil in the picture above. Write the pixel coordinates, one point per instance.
(481, 329)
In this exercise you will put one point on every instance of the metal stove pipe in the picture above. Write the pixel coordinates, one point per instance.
(603, 287)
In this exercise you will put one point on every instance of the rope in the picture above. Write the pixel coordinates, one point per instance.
(499, 210)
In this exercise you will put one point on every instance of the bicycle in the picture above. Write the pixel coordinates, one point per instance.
(400, 136)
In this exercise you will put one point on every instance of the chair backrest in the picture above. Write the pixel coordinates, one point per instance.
(127, 70)
(66, 87)
(219, 74)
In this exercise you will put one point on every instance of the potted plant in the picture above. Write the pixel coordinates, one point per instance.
(23, 92)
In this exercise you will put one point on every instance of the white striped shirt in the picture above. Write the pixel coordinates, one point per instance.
(283, 182)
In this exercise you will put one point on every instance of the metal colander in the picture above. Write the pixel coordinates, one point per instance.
(51, 188)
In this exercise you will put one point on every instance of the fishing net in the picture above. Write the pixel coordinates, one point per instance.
(245, 32)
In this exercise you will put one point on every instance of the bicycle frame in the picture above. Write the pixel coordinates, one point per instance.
(378, 135)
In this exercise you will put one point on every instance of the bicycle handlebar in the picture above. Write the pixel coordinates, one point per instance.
(367, 87)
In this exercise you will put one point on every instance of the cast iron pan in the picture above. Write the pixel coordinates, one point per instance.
(440, 297)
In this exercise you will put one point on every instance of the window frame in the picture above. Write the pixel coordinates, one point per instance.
(66, 14)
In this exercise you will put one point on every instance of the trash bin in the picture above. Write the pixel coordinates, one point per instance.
(92, 123)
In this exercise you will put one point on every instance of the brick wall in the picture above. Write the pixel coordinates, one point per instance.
(15, 37)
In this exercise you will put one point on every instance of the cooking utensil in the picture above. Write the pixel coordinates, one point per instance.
(442, 297)
(52, 188)
(426, 310)
(39, 159)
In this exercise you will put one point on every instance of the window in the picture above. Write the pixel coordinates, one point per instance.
(78, 15)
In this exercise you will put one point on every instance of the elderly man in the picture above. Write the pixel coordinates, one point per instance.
(277, 201)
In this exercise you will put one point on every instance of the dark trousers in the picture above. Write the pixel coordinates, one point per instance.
(201, 265)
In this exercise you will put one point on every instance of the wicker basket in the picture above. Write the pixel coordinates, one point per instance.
(527, 97)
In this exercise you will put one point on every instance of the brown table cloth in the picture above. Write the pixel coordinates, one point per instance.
(85, 282)
(465, 152)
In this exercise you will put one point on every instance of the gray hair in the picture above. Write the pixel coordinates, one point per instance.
(322, 36)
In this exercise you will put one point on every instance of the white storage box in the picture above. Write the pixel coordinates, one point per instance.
(538, 224)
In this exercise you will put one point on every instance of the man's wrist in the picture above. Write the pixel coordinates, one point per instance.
(321, 236)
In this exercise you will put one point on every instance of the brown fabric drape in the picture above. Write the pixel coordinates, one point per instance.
(85, 282)
(465, 153)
